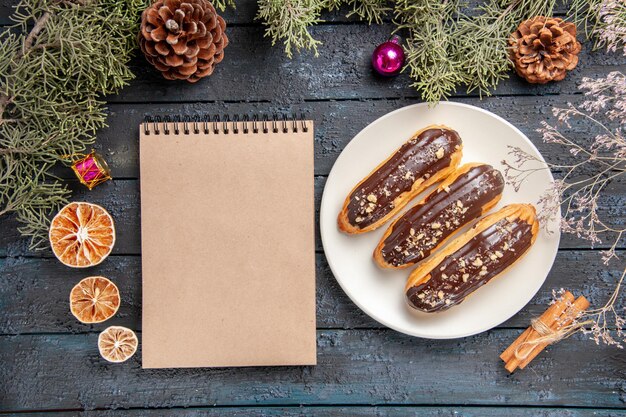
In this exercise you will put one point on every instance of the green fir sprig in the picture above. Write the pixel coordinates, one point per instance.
(222, 4)
(482, 40)
(55, 65)
(431, 48)
(289, 21)
(371, 11)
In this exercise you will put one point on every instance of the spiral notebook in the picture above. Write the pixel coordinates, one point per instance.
(227, 232)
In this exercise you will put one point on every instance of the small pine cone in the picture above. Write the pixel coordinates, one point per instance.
(184, 39)
(543, 49)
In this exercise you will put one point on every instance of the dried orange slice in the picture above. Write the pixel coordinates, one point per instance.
(94, 300)
(117, 343)
(82, 235)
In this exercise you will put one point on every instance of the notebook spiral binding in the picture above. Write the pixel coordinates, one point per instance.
(223, 125)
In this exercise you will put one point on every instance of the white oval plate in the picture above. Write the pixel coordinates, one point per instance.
(380, 293)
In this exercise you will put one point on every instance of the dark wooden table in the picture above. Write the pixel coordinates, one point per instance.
(49, 362)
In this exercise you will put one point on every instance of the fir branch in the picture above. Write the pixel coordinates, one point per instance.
(289, 21)
(371, 11)
(585, 14)
(52, 73)
(482, 40)
(222, 4)
(431, 47)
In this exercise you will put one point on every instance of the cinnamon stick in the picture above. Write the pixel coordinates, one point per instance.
(509, 353)
(567, 318)
(549, 318)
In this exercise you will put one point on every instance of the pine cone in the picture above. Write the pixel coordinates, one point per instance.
(543, 49)
(183, 39)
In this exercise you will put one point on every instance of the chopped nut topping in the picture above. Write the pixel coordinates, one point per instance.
(477, 262)
(372, 198)
(444, 276)
(446, 189)
(421, 296)
(493, 256)
(359, 219)
(465, 277)
(499, 254)
(412, 232)
(440, 152)
(459, 203)
(483, 272)
(435, 225)
(440, 295)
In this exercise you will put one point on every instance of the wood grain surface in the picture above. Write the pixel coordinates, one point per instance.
(329, 411)
(49, 363)
(44, 284)
(354, 367)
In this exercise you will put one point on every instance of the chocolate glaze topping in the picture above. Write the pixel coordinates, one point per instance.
(472, 266)
(426, 225)
(419, 158)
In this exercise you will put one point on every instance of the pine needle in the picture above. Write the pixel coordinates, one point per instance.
(55, 64)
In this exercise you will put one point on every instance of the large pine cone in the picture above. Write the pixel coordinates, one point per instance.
(543, 49)
(183, 39)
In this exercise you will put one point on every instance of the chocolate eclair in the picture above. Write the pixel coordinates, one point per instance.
(468, 193)
(428, 157)
(494, 244)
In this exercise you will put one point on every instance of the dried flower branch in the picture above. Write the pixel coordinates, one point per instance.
(579, 187)
(604, 19)
(597, 322)
(577, 190)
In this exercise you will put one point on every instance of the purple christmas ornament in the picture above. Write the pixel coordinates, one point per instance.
(388, 57)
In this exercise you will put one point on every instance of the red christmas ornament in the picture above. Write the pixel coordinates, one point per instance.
(388, 57)
(91, 170)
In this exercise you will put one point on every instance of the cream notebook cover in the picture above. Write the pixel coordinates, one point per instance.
(227, 232)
